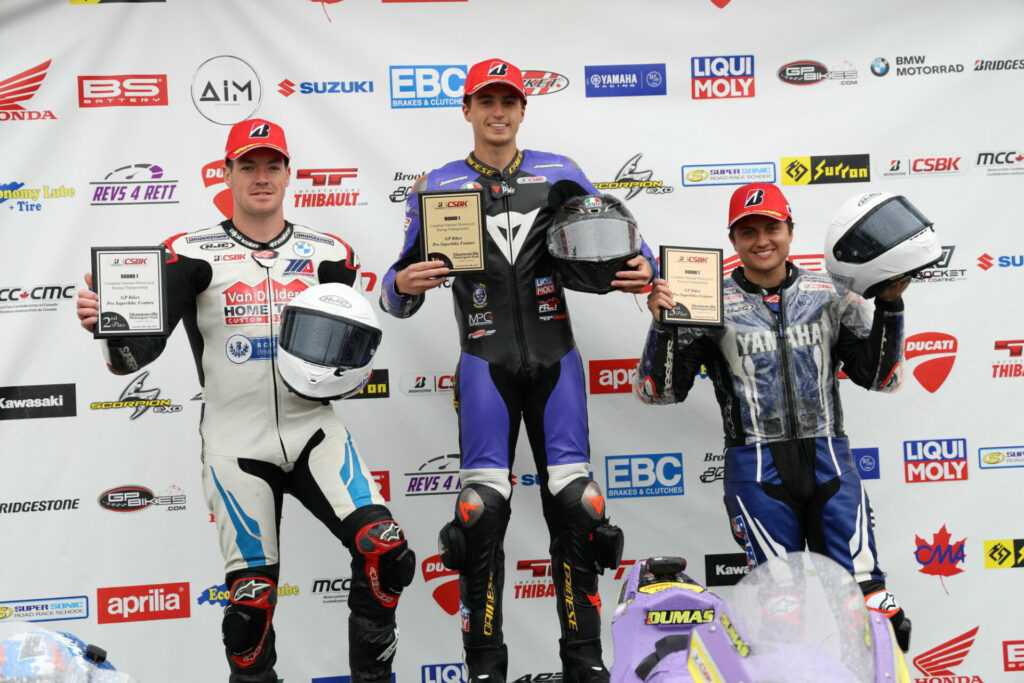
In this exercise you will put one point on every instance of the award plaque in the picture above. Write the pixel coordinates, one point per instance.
(131, 285)
(452, 229)
(695, 278)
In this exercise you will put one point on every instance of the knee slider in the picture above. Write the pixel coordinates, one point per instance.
(583, 504)
(248, 617)
(388, 561)
(480, 512)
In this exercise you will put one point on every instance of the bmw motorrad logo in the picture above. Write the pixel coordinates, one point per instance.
(880, 66)
(303, 249)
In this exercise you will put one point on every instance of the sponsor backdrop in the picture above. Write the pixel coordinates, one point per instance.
(113, 117)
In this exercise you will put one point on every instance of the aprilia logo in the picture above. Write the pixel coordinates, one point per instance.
(142, 603)
(612, 376)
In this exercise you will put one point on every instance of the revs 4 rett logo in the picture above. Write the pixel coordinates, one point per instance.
(935, 353)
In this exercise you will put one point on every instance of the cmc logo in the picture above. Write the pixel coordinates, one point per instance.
(931, 373)
(142, 603)
(446, 588)
(427, 86)
(937, 460)
(612, 376)
(634, 476)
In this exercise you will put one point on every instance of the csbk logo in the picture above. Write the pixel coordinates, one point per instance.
(931, 373)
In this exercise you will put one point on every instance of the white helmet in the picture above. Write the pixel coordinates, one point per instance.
(878, 238)
(329, 334)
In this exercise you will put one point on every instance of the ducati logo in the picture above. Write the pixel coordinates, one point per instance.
(931, 373)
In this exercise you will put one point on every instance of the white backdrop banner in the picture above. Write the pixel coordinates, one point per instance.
(113, 117)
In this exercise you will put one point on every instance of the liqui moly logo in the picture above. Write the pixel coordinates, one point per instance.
(935, 460)
(722, 77)
(142, 603)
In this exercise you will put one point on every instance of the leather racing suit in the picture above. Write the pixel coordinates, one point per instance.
(790, 476)
(518, 361)
(259, 440)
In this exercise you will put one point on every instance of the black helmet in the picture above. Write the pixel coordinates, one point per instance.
(592, 237)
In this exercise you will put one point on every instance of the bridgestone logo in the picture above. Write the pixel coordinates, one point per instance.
(39, 505)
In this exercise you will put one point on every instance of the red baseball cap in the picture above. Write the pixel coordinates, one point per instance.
(762, 199)
(251, 134)
(492, 71)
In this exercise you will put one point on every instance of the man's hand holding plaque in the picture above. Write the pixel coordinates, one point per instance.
(452, 229)
(130, 285)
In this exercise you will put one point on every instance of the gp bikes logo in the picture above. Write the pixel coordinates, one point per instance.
(129, 90)
(20, 88)
(226, 89)
(721, 77)
(543, 82)
(140, 399)
(809, 72)
(142, 603)
(631, 178)
(132, 498)
(634, 476)
(445, 583)
(625, 80)
(427, 86)
(134, 184)
(931, 373)
(437, 476)
(1007, 553)
(821, 170)
(287, 87)
(935, 460)
(612, 376)
(326, 188)
(940, 557)
(939, 662)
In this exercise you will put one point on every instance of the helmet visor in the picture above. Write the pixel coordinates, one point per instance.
(888, 224)
(327, 340)
(594, 239)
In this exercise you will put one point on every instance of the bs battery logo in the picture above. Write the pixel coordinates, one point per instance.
(935, 353)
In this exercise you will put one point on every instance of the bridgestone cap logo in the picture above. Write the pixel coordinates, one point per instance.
(498, 69)
(754, 198)
(260, 130)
